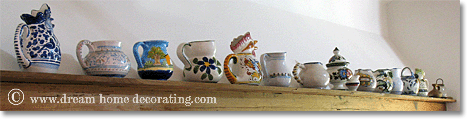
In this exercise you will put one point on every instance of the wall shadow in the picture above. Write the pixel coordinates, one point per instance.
(8, 61)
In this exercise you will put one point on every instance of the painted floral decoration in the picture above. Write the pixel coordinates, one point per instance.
(205, 65)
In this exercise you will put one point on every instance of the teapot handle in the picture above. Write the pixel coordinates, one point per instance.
(22, 60)
(442, 81)
(295, 72)
(136, 53)
(402, 72)
(263, 64)
(228, 73)
(181, 55)
(79, 51)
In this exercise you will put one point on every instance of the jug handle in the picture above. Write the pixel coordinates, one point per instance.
(263, 64)
(228, 73)
(22, 60)
(79, 51)
(295, 72)
(411, 73)
(442, 81)
(136, 53)
(181, 55)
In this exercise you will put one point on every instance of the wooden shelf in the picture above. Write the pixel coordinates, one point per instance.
(228, 97)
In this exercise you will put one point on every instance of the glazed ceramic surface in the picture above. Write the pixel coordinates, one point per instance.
(201, 64)
(411, 84)
(37, 49)
(274, 69)
(396, 79)
(242, 66)
(420, 75)
(353, 83)
(383, 80)
(155, 62)
(338, 71)
(105, 58)
(311, 75)
(438, 90)
(367, 80)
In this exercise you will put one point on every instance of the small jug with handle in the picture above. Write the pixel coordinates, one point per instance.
(420, 75)
(411, 84)
(155, 62)
(438, 90)
(200, 61)
(241, 67)
(36, 47)
(311, 75)
(396, 79)
(105, 58)
(274, 69)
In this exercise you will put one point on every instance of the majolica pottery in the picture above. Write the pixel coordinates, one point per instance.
(274, 69)
(384, 83)
(242, 66)
(338, 71)
(438, 90)
(367, 80)
(105, 58)
(155, 62)
(200, 61)
(396, 79)
(420, 75)
(411, 84)
(37, 49)
(353, 83)
(311, 75)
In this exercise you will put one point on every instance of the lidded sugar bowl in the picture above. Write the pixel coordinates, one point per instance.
(338, 71)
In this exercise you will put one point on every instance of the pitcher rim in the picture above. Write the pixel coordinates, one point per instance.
(279, 52)
(202, 41)
(112, 41)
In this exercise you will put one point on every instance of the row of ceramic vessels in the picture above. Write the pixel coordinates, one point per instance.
(38, 50)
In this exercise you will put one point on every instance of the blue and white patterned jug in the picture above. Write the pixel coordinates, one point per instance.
(411, 84)
(36, 47)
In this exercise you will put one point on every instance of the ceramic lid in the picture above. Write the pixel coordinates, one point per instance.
(337, 60)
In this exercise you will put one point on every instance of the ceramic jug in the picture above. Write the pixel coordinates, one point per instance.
(396, 79)
(105, 58)
(367, 80)
(411, 84)
(438, 90)
(311, 75)
(36, 47)
(155, 62)
(200, 61)
(353, 83)
(384, 83)
(420, 75)
(274, 69)
(242, 66)
(338, 71)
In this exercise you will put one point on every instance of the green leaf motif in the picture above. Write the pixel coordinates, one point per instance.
(219, 70)
(184, 74)
(204, 76)
(188, 69)
(218, 63)
(195, 70)
(210, 77)
(214, 58)
(195, 60)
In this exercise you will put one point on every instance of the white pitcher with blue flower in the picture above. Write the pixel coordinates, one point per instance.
(36, 47)
(200, 61)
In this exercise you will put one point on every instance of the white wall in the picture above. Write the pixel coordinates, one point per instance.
(307, 34)
(426, 34)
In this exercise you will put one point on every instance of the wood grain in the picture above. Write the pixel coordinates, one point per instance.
(228, 97)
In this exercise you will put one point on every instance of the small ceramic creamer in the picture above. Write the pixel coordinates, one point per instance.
(411, 84)
(367, 80)
(353, 83)
(155, 62)
(274, 69)
(201, 64)
(338, 71)
(105, 58)
(311, 75)
(244, 69)
(396, 79)
(383, 80)
(36, 47)
(420, 75)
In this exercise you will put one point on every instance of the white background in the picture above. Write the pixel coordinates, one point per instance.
(370, 33)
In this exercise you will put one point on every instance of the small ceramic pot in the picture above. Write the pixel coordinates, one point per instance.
(311, 75)
(384, 81)
(105, 58)
(420, 75)
(396, 79)
(367, 80)
(274, 69)
(411, 84)
(338, 71)
(201, 64)
(438, 90)
(155, 62)
(353, 83)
